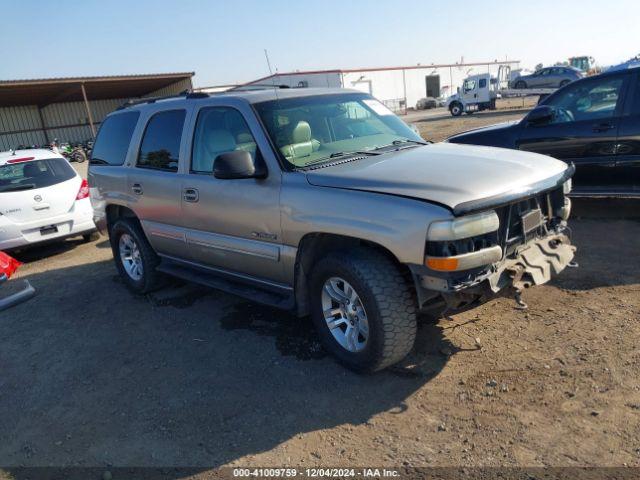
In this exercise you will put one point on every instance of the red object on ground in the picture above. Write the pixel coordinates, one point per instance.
(8, 265)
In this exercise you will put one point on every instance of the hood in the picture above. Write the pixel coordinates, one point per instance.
(461, 177)
(488, 128)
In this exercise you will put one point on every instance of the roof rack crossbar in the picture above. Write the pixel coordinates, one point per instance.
(257, 86)
(139, 101)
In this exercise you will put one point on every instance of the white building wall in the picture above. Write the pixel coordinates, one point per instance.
(384, 84)
(391, 86)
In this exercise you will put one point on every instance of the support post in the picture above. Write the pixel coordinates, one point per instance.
(86, 105)
(404, 86)
(44, 127)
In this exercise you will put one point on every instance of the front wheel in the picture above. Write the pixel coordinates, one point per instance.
(135, 259)
(78, 156)
(456, 109)
(363, 308)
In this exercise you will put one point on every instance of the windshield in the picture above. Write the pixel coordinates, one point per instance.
(314, 129)
(34, 174)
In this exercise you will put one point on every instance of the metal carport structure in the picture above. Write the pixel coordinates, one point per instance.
(34, 112)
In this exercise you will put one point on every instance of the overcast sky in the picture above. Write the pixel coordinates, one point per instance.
(224, 41)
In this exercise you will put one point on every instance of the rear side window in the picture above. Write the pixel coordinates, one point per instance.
(34, 174)
(160, 146)
(113, 139)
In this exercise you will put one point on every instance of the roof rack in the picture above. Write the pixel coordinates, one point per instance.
(259, 86)
(183, 94)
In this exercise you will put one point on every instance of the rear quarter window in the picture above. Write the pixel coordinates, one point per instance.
(113, 139)
(34, 174)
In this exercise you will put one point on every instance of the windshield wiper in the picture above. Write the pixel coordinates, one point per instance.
(404, 141)
(15, 188)
(339, 155)
(407, 140)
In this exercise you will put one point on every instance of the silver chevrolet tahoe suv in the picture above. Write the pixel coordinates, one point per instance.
(323, 202)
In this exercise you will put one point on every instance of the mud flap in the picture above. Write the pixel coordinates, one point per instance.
(535, 263)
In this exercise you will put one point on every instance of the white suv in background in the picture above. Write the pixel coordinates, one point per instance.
(42, 198)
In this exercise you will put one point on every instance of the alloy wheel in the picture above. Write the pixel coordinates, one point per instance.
(345, 314)
(130, 257)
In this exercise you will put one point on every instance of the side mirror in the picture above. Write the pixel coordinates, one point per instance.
(236, 164)
(539, 116)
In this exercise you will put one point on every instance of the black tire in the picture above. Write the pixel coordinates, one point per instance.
(564, 82)
(150, 278)
(520, 84)
(389, 302)
(456, 109)
(78, 156)
(90, 237)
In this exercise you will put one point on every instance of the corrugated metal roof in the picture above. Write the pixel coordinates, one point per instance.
(44, 91)
(98, 78)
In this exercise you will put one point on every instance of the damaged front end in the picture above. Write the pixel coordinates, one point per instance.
(497, 252)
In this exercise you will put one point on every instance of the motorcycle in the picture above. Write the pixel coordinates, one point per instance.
(73, 153)
(8, 266)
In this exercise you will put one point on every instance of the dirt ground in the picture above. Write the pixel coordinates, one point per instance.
(91, 375)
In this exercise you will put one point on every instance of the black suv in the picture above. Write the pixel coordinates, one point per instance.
(593, 122)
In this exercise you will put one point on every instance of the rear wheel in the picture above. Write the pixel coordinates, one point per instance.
(456, 109)
(520, 84)
(135, 259)
(564, 82)
(363, 309)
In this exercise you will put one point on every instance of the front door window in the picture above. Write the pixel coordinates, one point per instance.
(587, 101)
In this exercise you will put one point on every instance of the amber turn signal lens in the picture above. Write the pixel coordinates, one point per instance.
(442, 264)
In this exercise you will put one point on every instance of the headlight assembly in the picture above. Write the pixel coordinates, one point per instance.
(463, 227)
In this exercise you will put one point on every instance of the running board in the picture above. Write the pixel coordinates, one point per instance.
(283, 299)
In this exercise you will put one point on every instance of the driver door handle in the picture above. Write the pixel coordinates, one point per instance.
(603, 127)
(190, 195)
(136, 188)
